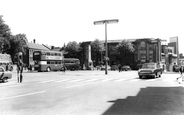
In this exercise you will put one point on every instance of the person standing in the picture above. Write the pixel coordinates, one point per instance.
(64, 68)
(20, 67)
(179, 79)
(119, 67)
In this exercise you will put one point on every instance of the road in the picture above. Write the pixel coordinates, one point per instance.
(91, 93)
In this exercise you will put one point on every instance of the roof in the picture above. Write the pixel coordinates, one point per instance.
(56, 49)
(36, 46)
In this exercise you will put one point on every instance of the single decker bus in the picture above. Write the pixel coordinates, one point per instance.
(71, 63)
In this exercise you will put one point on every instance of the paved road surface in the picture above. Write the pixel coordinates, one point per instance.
(91, 93)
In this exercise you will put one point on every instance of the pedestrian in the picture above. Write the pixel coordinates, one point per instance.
(119, 67)
(64, 68)
(180, 78)
(19, 67)
(7, 66)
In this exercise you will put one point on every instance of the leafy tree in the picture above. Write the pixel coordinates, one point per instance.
(72, 48)
(125, 48)
(4, 28)
(97, 46)
(11, 44)
(4, 36)
(97, 49)
(18, 44)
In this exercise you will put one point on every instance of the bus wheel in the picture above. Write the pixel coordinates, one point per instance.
(48, 69)
(73, 69)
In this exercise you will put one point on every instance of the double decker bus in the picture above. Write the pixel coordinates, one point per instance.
(48, 60)
(71, 63)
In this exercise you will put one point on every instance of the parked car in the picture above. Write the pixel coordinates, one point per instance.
(176, 68)
(126, 68)
(114, 67)
(150, 69)
(5, 75)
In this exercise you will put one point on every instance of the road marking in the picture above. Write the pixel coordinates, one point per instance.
(62, 80)
(22, 95)
(80, 85)
(106, 80)
(90, 80)
(46, 81)
(76, 80)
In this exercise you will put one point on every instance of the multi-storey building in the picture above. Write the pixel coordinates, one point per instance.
(146, 50)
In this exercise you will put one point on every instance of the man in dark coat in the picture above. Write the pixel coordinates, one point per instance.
(20, 67)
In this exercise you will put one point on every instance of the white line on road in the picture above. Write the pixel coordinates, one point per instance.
(22, 95)
(76, 80)
(79, 85)
(46, 81)
(90, 80)
(63, 80)
(106, 80)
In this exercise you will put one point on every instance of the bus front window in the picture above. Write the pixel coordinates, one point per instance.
(36, 56)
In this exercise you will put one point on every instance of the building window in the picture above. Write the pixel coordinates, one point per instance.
(142, 51)
(142, 44)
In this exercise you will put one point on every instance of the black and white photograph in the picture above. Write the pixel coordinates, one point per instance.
(91, 57)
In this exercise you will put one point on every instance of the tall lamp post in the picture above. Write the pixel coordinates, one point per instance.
(106, 22)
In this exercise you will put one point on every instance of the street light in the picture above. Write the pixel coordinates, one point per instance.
(106, 22)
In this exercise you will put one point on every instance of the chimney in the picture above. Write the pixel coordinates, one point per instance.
(52, 47)
(34, 41)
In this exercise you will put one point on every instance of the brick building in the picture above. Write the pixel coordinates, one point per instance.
(28, 57)
(146, 50)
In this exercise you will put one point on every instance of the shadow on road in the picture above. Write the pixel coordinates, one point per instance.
(150, 101)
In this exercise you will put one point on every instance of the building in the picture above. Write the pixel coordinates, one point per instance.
(28, 57)
(146, 50)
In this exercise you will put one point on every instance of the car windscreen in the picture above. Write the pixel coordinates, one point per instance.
(148, 66)
(126, 67)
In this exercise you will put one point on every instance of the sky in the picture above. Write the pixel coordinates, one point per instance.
(57, 22)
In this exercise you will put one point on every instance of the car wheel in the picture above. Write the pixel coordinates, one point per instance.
(155, 76)
(140, 77)
(4, 79)
(160, 74)
(48, 69)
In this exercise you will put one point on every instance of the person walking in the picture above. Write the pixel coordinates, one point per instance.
(64, 68)
(180, 78)
(119, 67)
(19, 67)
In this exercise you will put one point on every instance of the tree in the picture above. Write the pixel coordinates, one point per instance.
(4, 28)
(18, 44)
(125, 48)
(97, 49)
(11, 44)
(5, 34)
(72, 48)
